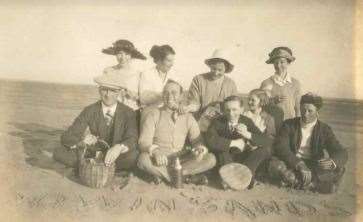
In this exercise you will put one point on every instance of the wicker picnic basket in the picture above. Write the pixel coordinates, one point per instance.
(95, 173)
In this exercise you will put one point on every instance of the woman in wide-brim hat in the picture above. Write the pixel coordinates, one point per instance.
(209, 89)
(125, 52)
(284, 90)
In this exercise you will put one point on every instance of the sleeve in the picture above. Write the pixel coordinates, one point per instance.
(146, 93)
(334, 148)
(194, 135)
(214, 141)
(270, 127)
(258, 138)
(194, 95)
(73, 135)
(297, 97)
(234, 91)
(282, 147)
(130, 135)
(267, 86)
(147, 130)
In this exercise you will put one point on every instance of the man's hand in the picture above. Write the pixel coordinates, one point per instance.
(242, 130)
(199, 152)
(305, 173)
(90, 140)
(113, 153)
(239, 144)
(160, 159)
(326, 164)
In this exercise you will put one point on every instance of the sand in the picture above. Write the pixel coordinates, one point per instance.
(36, 188)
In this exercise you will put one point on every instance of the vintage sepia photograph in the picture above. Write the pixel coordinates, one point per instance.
(157, 110)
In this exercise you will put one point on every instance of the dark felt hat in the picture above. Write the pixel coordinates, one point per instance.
(124, 45)
(280, 52)
(311, 98)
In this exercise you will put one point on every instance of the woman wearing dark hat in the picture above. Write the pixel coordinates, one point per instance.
(283, 89)
(208, 90)
(152, 81)
(125, 51)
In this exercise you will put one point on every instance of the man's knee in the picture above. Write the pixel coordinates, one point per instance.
(210, 160)
(66, 156)
(127, 160)
(276, 167)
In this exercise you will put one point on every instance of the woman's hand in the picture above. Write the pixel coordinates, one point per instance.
(279, 99)
(242, 130)
(199, 152)
(114, 152)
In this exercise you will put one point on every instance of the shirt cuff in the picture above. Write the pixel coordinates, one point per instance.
(237, 143)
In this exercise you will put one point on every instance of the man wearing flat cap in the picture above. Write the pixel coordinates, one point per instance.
(107, 120)
(309, 156)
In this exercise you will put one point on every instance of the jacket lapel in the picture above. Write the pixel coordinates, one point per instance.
(314, 142)
(298, 136)
(100, 122)
(118, 123)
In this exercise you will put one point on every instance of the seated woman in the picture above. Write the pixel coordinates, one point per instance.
(162, 138)
(257, 100)
(125, 52)
(309, 155)
(107, 119)
(283, 89)
(152, 81)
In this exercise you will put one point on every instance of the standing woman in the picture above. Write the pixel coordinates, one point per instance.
(257, 101)
(208, 90)
(152, 81)
(284, 90)
(125, 51)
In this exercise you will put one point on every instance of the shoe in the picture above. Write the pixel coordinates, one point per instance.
(156, 180)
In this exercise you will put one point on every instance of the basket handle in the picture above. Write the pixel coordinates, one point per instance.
(98, 140)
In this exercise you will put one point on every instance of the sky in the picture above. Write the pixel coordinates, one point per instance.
(62, 42)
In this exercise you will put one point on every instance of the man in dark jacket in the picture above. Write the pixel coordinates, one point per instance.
(234, 137)
(106, 120)
(310, 156)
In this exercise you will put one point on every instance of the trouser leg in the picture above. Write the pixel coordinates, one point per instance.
(255, 157)
(127, 161)
(146, 164)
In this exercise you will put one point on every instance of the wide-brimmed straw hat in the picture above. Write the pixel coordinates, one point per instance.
(280, 52)
(124, 45)
(221, 55)
(110, 80)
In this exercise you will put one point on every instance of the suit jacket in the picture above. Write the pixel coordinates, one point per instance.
(288, 142)
(124, 132)
(219, 135)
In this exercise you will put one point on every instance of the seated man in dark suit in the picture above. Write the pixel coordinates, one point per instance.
(234, 138)
(107, 119)
(310, 156)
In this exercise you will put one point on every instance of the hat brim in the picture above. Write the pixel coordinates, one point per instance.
(104, 82)
(134, 53)
(271, 59)
(229, 67)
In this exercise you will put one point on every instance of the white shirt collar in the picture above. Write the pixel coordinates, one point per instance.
(111, 109)
(282, 81)
(309, 125)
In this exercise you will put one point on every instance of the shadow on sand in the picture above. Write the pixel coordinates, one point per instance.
(39, 141)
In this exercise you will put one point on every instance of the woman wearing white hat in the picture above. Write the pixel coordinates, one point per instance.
(208, 90)
(283, 89)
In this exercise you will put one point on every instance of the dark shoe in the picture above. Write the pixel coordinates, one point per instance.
(156, 180)
(197, 179)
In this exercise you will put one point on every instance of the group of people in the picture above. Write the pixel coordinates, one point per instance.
(149, 120)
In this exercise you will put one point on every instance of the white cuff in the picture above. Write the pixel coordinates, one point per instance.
(239, 143)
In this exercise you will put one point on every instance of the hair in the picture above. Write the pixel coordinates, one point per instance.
(175, 82)
(232, 98)
(262, 95)
(310, 98)
(160, 52)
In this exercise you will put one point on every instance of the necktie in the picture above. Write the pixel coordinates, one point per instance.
(108, 117)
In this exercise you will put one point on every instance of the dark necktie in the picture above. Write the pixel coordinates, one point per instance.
(108, 117)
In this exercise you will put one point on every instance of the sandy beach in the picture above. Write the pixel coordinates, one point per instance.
(36, 188)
